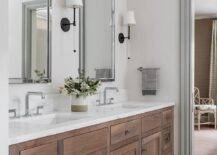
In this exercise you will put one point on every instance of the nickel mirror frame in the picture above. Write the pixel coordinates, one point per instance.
(25, 57)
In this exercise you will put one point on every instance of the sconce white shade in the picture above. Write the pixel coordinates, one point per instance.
(130, 19)
(74, 3)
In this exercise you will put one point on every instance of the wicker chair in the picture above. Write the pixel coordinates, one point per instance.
(203, 106)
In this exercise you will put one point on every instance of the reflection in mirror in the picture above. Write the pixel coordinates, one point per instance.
(30, 35)
(99, 41)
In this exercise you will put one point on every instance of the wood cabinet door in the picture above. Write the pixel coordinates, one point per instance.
(48, 149)
(131, 149)
(152, 145)
(167, 138)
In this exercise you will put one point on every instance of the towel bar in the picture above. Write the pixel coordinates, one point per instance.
(141, 69)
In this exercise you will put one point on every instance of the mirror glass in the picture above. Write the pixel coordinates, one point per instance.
(98, 43)
(29, 41)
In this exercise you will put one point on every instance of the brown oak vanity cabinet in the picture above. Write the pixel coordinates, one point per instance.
(150, 133)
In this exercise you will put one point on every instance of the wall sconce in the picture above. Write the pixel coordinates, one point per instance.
(65, 23)
(129, 20)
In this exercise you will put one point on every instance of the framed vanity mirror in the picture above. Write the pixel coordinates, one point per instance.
(97, 56)
(30, 41)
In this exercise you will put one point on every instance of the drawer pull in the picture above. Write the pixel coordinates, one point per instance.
(127, 132)
(144, 150)
(167, 139)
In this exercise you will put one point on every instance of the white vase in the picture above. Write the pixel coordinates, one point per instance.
(79, 104)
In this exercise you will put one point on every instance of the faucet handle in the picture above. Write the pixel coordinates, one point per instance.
(110, 100)
(13, 111)
(38, 110)
(98, 101)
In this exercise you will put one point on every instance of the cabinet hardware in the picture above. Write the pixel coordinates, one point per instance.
(167, 138)
(127, 132)
(144, 150)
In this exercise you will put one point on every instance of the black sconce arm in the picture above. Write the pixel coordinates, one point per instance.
(128, 37)
(74, 21)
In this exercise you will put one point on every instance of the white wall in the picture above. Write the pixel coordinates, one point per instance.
(65, 62)
(156, 43)
(4, 77)
(206, 8)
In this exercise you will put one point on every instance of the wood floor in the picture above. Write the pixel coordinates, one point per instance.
(205, 141)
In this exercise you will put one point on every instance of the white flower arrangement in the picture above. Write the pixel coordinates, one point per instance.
(79, 87)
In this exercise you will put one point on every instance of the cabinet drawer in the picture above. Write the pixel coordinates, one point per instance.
(50, 149)
(151, 122)
(167, 117)
(167, 139)
(89, 143)
(123, 131)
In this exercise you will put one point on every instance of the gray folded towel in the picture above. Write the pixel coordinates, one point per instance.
(103, 73)
(150, 82)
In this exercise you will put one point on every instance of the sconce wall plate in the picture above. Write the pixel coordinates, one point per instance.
(121, 38)
(65, 24)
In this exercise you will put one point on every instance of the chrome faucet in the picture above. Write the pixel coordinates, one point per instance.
(105, 94)
(27, 101)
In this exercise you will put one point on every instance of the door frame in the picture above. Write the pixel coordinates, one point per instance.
(187, 76)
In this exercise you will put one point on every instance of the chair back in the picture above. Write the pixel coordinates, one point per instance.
(196, 95)
(201, 101)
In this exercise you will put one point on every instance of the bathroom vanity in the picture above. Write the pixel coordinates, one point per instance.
(129, 128)
(125, 129)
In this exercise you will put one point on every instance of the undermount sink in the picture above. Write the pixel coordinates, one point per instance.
(117, 108)
(48, 119)
(134, 106)
(130, 106)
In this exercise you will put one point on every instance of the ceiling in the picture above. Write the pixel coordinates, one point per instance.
(206, 8)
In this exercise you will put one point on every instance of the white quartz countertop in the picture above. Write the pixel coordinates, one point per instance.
(25, 129)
